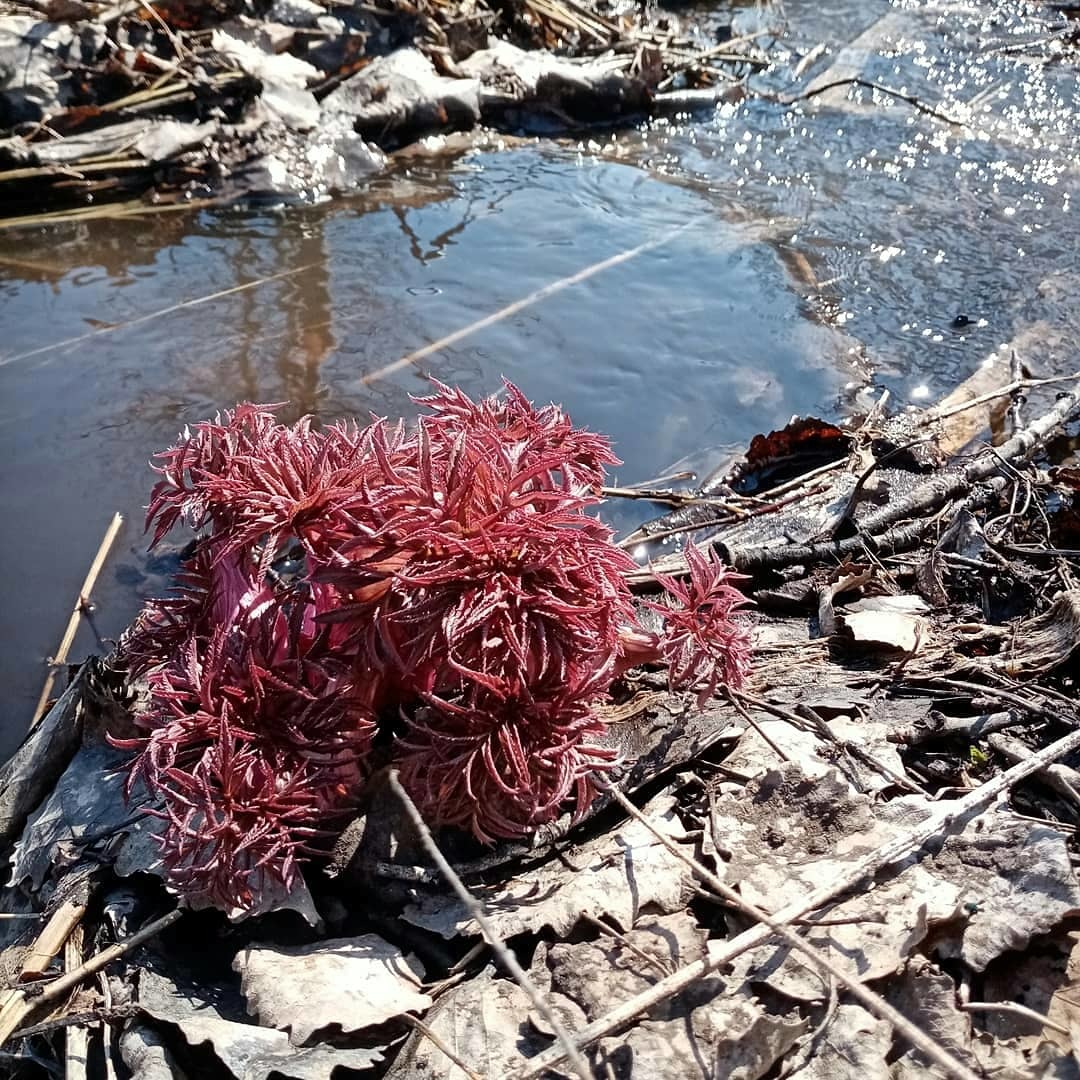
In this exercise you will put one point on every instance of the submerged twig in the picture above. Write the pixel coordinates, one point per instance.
(150, 316)
(520, 305)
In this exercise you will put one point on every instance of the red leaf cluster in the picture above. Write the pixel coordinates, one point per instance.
(443, 583)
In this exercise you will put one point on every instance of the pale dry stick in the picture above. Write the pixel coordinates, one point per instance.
(174, 39)
(992, 395)
(76, 1037)
(940, 818)
(867, 998)
(437, 1041)
(520, 305)
(76, 616)
(63, 923)
(150, 316)
(672, 498)
(1014, 1008)
(476, 910)
(17, 1009)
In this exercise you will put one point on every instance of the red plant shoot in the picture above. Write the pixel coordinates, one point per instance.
(443, 582)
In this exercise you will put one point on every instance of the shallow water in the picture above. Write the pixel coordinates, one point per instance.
(807, 257)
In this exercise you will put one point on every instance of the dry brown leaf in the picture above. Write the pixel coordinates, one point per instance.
(928, 997)
(618, 874)
(854, 1045)
(817, 755)
(601, 974)
(349, 983)
(726, 1035)
(248, 1051)
(484, 1022)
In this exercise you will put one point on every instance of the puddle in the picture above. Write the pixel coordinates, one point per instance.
(691, 346)
(849, 237)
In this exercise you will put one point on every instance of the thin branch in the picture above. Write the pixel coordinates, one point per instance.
(942, 817)
(932, 415)
(900, 95)
(81, 601)
(150, 316)
(566, 1046)
(18, 1007)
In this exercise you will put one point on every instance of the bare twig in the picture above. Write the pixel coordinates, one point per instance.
(81, 602)
(23, 1002)
(941, 818)
(567, 1049)
(1014, 1008)
(932, 415)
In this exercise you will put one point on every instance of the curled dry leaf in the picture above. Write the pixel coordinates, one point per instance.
(1045, 642)
(892, 623)
(928, 997)
(247, 1051)
(351, 983)
(145, 1054)
(617, 874)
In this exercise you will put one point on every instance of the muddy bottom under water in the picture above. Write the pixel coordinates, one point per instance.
(794, 259)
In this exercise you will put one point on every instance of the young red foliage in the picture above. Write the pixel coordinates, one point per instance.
(449, 580)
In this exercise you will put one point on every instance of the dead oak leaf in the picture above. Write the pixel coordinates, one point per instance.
(351, 983)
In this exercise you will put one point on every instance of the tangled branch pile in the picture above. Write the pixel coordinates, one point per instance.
(435, 595)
